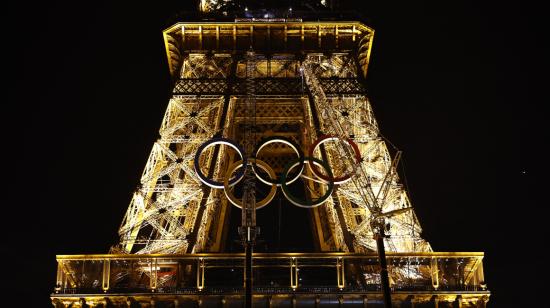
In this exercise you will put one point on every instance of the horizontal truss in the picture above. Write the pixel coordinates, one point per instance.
(264, 86)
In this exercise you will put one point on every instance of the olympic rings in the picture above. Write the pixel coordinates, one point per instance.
(277, 181)
(273, 179)
(264, 166)
(307, 204)
(336, 180)
(212, 142)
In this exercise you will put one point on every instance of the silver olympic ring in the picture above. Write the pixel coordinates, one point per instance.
(212, 142)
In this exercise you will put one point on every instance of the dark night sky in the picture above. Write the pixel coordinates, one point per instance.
(455, 85)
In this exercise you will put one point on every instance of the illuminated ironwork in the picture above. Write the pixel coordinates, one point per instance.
(209, 94)
(260, 94)
(189, 278)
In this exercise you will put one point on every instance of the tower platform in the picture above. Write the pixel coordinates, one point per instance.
(435, 279)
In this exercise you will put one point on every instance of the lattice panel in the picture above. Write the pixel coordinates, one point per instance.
(192, 117)
(264, 86)
(274, 109)
(200, 86)
(220, 86)
(276, 68)
(163, 210)
(337, 65)
(206, 66)
(342, 86)
(171, 205)
(352, 117)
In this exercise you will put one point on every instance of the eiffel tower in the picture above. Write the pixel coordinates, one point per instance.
(269, 122)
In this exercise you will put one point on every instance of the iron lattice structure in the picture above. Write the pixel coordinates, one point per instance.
(308, 81)
(247, 82)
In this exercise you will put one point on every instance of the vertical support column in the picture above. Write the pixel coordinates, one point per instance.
(481, 276)
(460, 271)
(475, 281)
(336, 35)
(217, 37)
(179, 275)
(412, 301)
(435, 273)
(269, 38)
(458, 301)
(106, 275)
(318, 36)
(482, 302)
(302, 36)
(353, 33)
(183, 36)
(436, 301)
(234, 37)
(293, 273)
(285, 35)
(251, 36)
(153, 276)
(59, 281)
(200, 274)
(340, 275)
(200, 36)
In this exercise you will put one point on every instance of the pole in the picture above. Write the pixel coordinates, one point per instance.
(248, 232)
(383, 267)
(248, 229)
(248, 275)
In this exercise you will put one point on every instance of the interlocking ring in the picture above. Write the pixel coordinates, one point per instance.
(277, 180)
(212, 142)
(340, 179)
(306, 203)
(273, 179)
(262, 165)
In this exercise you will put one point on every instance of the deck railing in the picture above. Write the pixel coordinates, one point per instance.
(211, 273)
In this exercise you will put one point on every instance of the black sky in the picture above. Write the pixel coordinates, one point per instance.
(456, 85)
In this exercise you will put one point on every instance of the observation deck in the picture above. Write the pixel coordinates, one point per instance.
(435, 279)
(268, 36)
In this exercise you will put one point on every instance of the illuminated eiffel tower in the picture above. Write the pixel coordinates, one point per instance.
(276, 99)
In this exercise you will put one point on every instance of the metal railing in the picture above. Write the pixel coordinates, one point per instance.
(274, 273)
